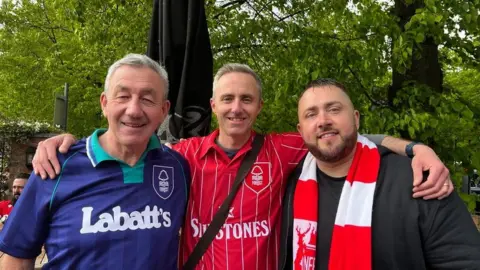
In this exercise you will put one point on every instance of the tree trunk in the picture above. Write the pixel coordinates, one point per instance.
(425, 68)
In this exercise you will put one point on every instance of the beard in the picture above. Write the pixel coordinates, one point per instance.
(332, 153)
(15, 198)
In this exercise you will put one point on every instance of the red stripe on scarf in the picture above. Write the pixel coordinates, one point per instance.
(351, 256)
(367, 173)
(351, 244)
(308, 189)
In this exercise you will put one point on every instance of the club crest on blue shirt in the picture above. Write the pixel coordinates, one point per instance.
(162, 180)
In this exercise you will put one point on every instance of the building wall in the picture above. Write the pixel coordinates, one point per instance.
(17, 162)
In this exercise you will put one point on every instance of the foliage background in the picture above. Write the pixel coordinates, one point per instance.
(411, 66)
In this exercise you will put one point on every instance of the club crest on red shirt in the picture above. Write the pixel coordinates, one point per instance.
(260, 177)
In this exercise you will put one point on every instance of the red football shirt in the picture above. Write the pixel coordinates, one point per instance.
(5, 208)
(250, 236)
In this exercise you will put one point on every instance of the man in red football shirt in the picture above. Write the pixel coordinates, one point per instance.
(250, 237)
(17, 188)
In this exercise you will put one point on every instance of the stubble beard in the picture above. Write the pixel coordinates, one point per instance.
(333, 153)
(15, 198)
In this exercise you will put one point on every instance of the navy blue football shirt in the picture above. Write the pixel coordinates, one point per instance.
(101, 213)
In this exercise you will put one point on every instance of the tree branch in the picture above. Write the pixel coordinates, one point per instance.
(293, 14)
(235, 46)
(257, 13)
(227, 6)
(378, 103)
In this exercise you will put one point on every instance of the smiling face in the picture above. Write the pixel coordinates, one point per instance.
(328, 122)
(134, 105)
(17, 188)
(236, 103)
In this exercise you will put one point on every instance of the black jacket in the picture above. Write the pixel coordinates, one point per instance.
(407, 233)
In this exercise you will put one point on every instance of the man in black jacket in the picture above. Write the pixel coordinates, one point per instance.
(386, 227)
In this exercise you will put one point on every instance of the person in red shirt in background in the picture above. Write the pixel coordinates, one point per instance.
(17, 188)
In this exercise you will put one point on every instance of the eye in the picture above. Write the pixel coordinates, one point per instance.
(227, 99)
(310, 115)
(148, 101)
(247, 100)
(123, 97)
(334, 110)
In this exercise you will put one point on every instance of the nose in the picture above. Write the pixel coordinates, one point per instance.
(134, 108)
(237, 106)
(323, 120)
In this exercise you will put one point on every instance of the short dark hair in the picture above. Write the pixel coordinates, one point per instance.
(323, 82)
(22, 175)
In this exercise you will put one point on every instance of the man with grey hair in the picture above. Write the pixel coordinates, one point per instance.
(120, 197)
(250, 237)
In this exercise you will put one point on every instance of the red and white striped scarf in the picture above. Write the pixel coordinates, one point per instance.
(351, 246)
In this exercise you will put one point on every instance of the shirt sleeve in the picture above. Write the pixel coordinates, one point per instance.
(2, 208)
(375, 138)
(451, 239)
(26, 228)
(182, 147)
(290, 147)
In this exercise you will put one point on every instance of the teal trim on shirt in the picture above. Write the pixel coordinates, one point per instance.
(131, 174)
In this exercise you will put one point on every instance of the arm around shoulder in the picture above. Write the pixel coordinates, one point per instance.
(375, 138)
(452, 240)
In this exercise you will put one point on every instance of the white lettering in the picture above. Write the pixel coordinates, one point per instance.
(228, 228)
(308, 262)
(196, 229)
(87, 221)
(121, 221)
(247, 230)
(219, 235)
(120, 218)
(136, 221)
(233, 230)
(103, 225)
(166, 219)
(266, 230)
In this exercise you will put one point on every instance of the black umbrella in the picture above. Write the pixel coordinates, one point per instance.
(179, 40)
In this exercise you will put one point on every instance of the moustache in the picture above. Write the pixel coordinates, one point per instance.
(321, 131)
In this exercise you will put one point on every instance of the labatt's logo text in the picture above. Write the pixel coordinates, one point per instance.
(120, 221)
(233, 230)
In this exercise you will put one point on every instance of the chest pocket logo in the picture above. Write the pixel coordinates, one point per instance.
(163, 181)
(260, 177)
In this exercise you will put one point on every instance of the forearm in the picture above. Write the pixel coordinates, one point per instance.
(396, 145)
(13, 263)
(375, 138)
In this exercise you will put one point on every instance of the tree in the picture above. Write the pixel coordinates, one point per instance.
(411, 66)
(392, 55)
(49, 42)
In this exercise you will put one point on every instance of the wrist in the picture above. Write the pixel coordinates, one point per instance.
(417, 148)
(412, 149)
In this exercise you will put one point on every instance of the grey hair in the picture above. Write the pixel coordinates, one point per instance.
(235, 67)
(138, 60)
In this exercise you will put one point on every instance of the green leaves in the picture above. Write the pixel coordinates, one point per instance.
(287, 42)
(420, 37)
(47, 43)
